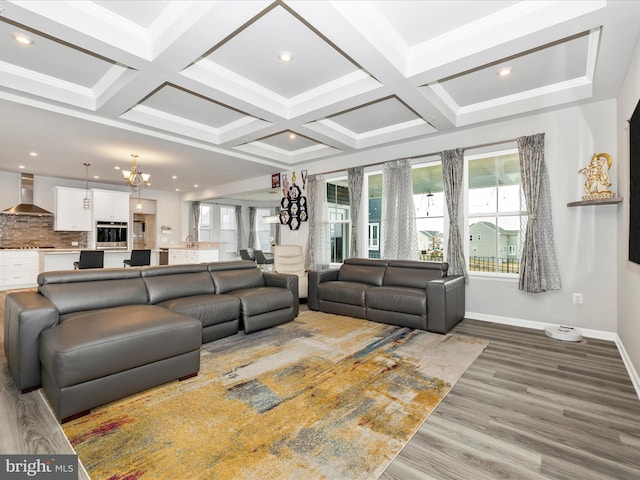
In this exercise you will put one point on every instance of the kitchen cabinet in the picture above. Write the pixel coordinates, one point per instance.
(111, 206)
(179, 256)
(70, 215)
(18, 268)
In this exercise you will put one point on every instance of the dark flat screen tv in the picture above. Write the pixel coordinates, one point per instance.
(634, 186)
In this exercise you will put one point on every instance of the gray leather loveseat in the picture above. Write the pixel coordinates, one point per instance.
(405, 293)
(93, 336)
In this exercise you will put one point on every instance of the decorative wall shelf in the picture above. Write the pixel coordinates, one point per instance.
(603, 201)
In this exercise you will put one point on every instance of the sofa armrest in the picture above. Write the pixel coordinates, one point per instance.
(315, 278)
(284, 280)
(445, 303)
(26, 314)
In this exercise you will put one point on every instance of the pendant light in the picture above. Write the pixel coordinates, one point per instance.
(86, 203)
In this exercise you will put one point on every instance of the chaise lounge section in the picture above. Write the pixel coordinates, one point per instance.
(405, 293)
(93, 336)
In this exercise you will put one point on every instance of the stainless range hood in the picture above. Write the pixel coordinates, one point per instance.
(26, 206)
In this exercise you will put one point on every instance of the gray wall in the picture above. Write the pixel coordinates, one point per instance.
(628, 279)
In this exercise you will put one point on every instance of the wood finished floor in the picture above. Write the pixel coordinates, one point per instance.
(528, 408)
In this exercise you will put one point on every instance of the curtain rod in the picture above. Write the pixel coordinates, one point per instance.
(482, 145)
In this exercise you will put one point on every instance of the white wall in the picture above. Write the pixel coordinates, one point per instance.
(628, 272)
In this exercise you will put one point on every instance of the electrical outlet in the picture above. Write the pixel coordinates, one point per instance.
(577, 298)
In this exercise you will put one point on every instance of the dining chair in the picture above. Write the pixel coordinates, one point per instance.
(261, 260)
(244, 255)
(139, 258)
(89, 259)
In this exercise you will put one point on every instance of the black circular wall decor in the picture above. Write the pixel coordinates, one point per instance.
(294, 208)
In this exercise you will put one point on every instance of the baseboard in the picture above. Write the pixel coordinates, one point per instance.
(599, 334)
(633, 373)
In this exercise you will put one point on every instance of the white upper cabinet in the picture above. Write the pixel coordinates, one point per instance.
(70, 213)
(110, 206)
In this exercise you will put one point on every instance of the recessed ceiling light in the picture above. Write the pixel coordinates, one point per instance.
(285, 57)
(116, 168)
(21, 166)
(195, 186)
(177, 189)
(504, 72)
(174, 177)
(292, 136)
(22, 38)
(96, 177)
(33, 154)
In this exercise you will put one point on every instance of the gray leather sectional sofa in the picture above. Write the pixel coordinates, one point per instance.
(93, 336)
(406, 293)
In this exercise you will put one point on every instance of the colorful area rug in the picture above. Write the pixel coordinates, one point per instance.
(323, 397)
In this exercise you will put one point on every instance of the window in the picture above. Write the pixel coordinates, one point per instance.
(428, 198)
(263, 230)
(496, 213)
(339, 221)
(228, 227)
(374, 236)
(204, 225)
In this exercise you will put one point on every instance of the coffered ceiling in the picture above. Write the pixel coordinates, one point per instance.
(197, 89)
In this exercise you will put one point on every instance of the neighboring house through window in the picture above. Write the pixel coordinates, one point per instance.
(496, 213)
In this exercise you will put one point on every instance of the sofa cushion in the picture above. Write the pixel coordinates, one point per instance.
(398, 299)
(81, 290)
(89, 345)
(227, 281)
(351, 293)
(259, 300)
(209, 309)
(362, 271)
(413, 274)
(176, 281)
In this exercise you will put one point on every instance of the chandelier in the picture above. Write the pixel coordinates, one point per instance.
(86, 202)
(134, 177)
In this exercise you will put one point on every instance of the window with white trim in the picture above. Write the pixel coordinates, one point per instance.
(228, 226)
(496, 212)
(263, 230)
(339, 219)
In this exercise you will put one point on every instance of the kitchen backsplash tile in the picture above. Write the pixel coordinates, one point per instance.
(29, 231)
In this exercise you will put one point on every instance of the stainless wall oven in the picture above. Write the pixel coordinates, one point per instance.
(111, 235)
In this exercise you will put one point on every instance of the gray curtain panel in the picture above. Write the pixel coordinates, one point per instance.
(252, 227)
(195, 211)
(238, 229)
(539, 270)
(356, 177)
(399, 235)
(318, 254)
(452, 167)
